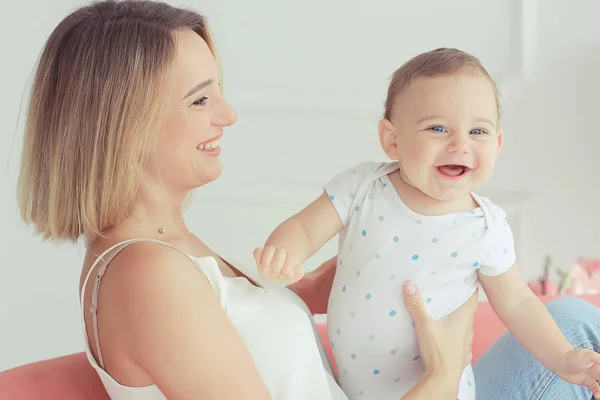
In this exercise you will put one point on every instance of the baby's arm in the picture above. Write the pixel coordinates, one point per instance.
(298, 238)
(526, 317)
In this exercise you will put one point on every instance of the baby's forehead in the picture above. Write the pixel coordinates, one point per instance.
(463, 87)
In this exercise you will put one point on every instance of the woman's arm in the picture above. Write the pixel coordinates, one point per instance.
(172, 326)
(433, 386)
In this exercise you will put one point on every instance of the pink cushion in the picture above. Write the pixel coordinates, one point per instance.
(487, 327)
(64, 378)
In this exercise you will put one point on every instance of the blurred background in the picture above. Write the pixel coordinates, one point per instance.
(308, 80)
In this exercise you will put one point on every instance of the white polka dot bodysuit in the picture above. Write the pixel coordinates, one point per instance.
(383, 244)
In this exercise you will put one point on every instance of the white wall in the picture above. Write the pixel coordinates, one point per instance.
(308, 80)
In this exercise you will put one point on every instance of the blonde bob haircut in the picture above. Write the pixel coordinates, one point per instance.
(97, 105)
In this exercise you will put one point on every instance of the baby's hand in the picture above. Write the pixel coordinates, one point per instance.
(581, 367)
(278, 265)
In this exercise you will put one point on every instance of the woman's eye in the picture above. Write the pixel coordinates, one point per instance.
(478, 131)
(201, 101)
(438, 129)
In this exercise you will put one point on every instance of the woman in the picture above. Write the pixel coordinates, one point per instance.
(125, 120)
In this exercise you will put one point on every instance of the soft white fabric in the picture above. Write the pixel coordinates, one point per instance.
(383, 244)
(274, 324)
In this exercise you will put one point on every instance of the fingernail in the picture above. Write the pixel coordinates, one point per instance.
(410, 288)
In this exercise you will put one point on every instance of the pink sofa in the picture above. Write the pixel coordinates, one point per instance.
(72, 378)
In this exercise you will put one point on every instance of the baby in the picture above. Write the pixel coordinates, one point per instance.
(418, 218)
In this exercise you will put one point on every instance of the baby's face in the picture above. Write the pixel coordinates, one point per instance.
(447, 134)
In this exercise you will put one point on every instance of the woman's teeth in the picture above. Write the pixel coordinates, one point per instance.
(209, 146)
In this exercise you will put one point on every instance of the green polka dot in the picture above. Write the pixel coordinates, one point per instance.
(392, 277)
(357, 274)
(377, 256)
(393, 351)
(368, 296)
(454, 255)
(419, 222)
(372, 337)
(381, 218)
(396, 239)
(357, 208)
(434, 240)
(353, 356)
(428, 300)
(433, 272)
(415, 358)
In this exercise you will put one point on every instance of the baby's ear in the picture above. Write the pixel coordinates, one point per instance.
(500, 138)
(388, 139)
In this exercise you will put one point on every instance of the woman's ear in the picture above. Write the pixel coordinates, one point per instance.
(388, 138)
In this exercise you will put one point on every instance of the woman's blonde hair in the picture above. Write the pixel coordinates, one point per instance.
(97, 105)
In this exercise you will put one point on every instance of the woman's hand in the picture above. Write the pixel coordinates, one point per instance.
(445, 345)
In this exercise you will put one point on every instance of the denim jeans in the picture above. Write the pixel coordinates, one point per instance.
(506, 371)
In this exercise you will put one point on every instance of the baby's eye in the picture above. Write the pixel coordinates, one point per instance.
(438, 129)
(201, 101)
(478, 131)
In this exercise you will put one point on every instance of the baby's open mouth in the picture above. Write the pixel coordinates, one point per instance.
(453, 170)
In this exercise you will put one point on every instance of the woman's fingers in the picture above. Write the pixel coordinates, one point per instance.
(414, 303)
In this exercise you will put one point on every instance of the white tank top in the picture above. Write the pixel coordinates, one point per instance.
(273, 322)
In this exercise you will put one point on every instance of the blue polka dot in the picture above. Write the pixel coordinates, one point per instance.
(353, 356)
(385, 184)
(415, 358)
(376, 372)
(332, 197)
(476, 264)
(415, 257)
(364, 233)
(332, 346)
(368, 296)
(469, 383)
(392, 313)
(344, 288)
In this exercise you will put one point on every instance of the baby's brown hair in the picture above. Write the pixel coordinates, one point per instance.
(442, 61)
